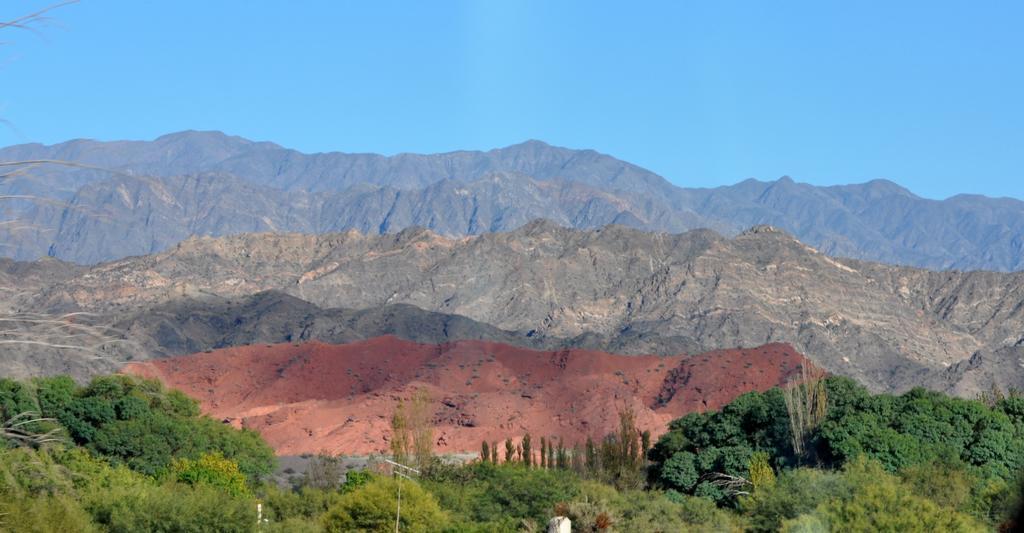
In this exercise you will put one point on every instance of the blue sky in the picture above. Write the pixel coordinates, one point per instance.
(927, 94)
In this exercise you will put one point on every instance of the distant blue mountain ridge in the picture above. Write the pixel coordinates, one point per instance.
(138, 197)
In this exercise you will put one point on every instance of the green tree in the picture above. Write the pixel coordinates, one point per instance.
(372, 508)
(422, 426)
(324, 471)
(304, 504)
(591, 462)
(760, 471)
(412, 430)
(43, 514)
(543, 452)
(527, 454)
(211, 469)
(946, 481)
(506, 494)
(400, 437)
(680, 472)
(877, 501)
(795, 492)
(170, 508)
(578, 459)
(138, 423)
(15, 399)
(561, 456)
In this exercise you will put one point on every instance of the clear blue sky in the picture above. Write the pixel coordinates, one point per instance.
(928, 94)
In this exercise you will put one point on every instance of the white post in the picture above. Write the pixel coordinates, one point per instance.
(559, 524)
(398, 510)
(396, 470)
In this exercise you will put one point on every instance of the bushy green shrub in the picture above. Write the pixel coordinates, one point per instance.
(43, 514)
(512, 492)
(170, 507)
(878, 501)
(794, 492)
(211, 469)
(372, 507)
(647, 510)
(304, 504)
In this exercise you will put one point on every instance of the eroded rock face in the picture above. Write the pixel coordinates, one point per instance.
(614, 289)
(313, 397)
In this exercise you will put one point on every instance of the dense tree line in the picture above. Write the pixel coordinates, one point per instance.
(123, 454)
(133, 422)
(618, 459)
(921, 438)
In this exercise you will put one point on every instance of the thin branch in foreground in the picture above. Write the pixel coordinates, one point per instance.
(731, 485)
(16, 429)
(28, 21)
(40, 162)
(68, 332)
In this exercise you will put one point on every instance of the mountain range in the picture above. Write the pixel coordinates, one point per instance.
(128, 198)
(543, 286)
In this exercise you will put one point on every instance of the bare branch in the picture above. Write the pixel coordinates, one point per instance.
(731, 485)
(58, 162)
(26, 22)
(15, 429)
(67, 332)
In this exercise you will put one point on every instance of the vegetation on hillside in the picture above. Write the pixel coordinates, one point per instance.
(123, 454)
(910, 451)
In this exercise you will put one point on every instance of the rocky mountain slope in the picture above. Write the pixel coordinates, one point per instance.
(188, 325)
(150, 195)
(311, 398)
(132, 215)
(613, 288)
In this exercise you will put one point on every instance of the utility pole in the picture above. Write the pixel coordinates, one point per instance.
(399, 470)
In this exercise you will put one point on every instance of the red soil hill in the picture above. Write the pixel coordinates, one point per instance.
(339, 398)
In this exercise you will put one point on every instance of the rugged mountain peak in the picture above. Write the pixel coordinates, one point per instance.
(531, 144)
(540, 226)
(884, 187)
(762, 228)
(414, 234)
(202, 136)
(775, 234)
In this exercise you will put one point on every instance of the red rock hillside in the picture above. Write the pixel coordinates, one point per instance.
(339, 398)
